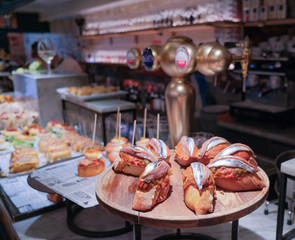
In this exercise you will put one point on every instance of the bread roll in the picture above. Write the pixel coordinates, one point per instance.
(235, 174)
(199, 189)
(89, 168)
(133, 160)
(155, 189)
(186, 151)
(211, 148)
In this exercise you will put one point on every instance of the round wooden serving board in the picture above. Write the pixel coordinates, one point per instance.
(116, 191)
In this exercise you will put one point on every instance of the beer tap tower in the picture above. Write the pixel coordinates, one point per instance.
(179, 58)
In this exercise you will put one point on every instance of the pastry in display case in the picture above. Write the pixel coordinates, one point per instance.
(11, 132)
(23, 159)
(88, 92)
(57, 152)
(199, 188)
(14, 114)
(31, 146)
(152, 186)
(6, 98)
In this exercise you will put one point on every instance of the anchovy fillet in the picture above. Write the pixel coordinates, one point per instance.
(140, 152)
(215, 142)
(155, 170)
(191, 145)
(150, 167)
(161, 147)
(198, 174)
(235, 148)
(230, 161)
(210, 143)
(188, 144)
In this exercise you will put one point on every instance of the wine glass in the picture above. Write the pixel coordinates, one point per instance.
(46, 51)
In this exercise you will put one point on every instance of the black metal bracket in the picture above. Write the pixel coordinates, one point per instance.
(72, 212)
(179, 235)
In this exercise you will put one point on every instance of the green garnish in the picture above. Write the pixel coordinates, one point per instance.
(10, 139)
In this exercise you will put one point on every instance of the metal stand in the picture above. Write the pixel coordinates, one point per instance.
(281, 210)
(72, 213)
(179, 235)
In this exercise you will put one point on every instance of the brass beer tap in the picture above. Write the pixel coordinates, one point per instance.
(179, 58)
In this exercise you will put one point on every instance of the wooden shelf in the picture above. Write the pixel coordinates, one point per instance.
(220, 24)
(275, 22)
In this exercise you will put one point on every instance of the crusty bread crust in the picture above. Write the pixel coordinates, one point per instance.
(144, 201)
(91, 170)
(182, 158)
(248, 181)
(201, 202)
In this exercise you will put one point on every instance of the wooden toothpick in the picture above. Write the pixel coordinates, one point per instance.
(117, 123)
(134, 127)
(119, 126)
(94, 128)
(158, 125)
(144, 123)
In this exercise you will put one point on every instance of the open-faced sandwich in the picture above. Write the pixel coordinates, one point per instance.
(92, 165)
(55, 125)
(211, 148)
(186, 151)
(57, 152)
(23, 159)
(114, 146)
(152, 186)
(133, 160)
(159, 149)
(234, 173)
(11, 132)
(199, 189)
(239, 150)
(143, 142)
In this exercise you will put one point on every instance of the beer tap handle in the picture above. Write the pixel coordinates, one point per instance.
(230, 44)
(244, 59)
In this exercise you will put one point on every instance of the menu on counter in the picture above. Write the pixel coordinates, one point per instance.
(62, 177)
(21, 200)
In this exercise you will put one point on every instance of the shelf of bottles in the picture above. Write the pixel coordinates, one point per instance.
(147, 95)
(156, 14)
(106, 56)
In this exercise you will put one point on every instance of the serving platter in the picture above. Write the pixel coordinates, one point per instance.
(116, 191)
(95, 96)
